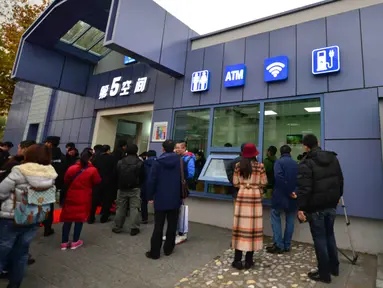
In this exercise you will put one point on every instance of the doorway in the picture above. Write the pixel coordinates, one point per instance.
(131, 124)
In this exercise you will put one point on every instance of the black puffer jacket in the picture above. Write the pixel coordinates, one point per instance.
(320, 181)
(60, 165)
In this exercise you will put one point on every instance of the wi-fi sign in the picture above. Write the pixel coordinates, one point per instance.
(276, 69)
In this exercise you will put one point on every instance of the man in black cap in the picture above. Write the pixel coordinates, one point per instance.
(59, 163)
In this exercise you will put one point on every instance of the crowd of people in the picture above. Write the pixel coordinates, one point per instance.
(309, 190)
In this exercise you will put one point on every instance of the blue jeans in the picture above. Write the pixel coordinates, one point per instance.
(66, 230)
(322, 231)
(285, 242)
(14, 248)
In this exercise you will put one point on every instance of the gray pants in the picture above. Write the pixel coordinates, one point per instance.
(128, 200)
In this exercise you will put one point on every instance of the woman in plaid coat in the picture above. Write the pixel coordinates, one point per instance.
(250, 177)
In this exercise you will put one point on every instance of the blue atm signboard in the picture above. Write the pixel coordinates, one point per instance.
(326, 60)
(235, 75)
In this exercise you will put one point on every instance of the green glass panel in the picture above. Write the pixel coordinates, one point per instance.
(91, 37)
(79, 28)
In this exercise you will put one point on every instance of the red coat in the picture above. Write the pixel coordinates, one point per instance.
(78, 200)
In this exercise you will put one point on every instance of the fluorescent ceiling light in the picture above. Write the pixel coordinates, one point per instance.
(313, 109)
(269, 112)
(292, 124)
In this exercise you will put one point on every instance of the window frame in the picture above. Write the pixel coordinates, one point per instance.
(207, 163)
(210, 149)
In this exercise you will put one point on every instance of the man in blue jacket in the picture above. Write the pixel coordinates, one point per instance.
(283, 200)
(164, 189)
(151, 154)
(189, 163)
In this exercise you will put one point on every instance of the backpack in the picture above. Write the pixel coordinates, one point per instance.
(34, 206)
(129, 174)
(192, 182)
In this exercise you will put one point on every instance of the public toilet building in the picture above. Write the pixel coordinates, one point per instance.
(97, 71)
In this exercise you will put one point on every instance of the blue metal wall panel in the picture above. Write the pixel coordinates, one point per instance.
(58, 128)
(71, 106)
(194, 63)
(164, 94)
(139, 71)
(370, 19)
(85, 130)
(75, 130)
(352, 115)
(178, 91)
(213, 59)
(65, 135)
(234, 53)
(257, 50)
(148, 96)
(310, 35)
(283, 42)
(79, 106)
(39, 65)
(174, 44)
(75, 76)
(363, 176)
(344, 30)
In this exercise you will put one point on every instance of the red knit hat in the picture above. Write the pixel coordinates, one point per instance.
(250, 151)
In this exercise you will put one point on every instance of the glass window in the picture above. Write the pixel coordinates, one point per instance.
(79, 28)
(99, 48)
(193, 126)
(220, 189)
(288, 122)
(236, 125)
(89, 39)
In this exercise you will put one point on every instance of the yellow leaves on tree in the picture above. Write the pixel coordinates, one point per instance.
(22, 15)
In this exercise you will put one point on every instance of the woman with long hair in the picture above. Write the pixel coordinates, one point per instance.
(35, 174)
(80, 179)
(250, 178)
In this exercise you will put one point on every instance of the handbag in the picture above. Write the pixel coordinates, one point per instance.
(184, 185)
(65, 189)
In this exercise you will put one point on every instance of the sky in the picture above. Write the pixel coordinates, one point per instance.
(205, 16)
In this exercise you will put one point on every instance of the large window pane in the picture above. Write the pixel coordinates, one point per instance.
(236, 125)
(99, 48)
(287, 122)
(193, 126)
(90, 38)
(75, 32)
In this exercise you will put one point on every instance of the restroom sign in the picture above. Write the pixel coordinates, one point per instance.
(121, 87)
(235, 75)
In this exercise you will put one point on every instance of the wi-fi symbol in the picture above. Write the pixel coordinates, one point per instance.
(275, 68)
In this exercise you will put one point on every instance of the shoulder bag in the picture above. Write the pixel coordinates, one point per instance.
(65, 189)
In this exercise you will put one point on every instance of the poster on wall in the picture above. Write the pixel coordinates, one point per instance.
(160, 131)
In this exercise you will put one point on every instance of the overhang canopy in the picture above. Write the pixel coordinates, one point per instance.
(62, 46)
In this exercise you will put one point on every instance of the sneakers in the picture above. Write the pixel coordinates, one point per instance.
(274, 249)
(134, 232)
(181, 239)
(76, 245)
(65, 246)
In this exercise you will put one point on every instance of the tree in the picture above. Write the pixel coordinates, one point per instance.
(17, 16)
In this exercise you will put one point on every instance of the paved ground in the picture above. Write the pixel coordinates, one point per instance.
(110, 260)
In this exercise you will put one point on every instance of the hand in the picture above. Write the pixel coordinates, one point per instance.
(151, 202)
(302, 216)
(293, 195)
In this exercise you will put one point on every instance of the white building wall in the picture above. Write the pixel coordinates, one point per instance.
(39, 109)
(367, 234)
